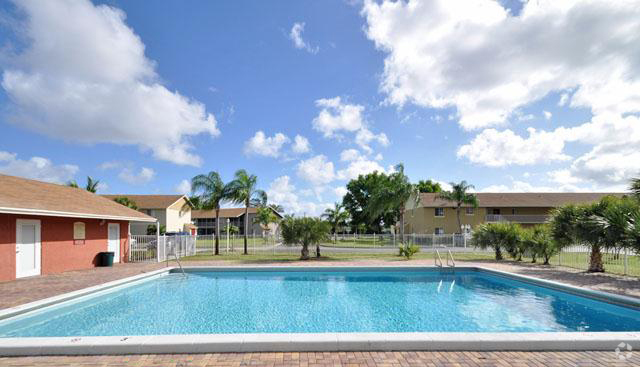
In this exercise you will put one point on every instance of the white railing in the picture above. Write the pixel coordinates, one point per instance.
(517, 218)
(390, 240)
(143, 248)
(620, 261)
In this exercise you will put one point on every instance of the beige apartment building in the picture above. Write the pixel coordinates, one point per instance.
(433, 215)
(172, 211)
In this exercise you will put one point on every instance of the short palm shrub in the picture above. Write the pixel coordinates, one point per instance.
(539, 243)
(501, 237)
(408, 251)
(305, 231)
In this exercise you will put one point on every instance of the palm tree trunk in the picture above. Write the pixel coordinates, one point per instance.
(305, 252)
(318, 250)
(458, 215)
(498, 253)
(246, 227)
(402, 226)
(217, 249)
(595, 262)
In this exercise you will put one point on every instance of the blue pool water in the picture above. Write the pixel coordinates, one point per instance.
(303, 302)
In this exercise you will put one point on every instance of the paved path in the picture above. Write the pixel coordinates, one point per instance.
(346, 359)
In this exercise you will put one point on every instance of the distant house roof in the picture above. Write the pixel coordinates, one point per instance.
(521, 199)
(30, 197)
(224, 213)
(150, 201)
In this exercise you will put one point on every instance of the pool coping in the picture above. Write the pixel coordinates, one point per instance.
(292, 342)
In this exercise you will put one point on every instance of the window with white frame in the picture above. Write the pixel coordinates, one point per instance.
(438, 230)
(468, 210)
(439, 212)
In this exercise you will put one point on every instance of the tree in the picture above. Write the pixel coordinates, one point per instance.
(460, 196)
(357, 198)
(499, 236)
(264, 217)
(336, 218)
(428, 186)
(91, 186)
(243, 190)
(391, 196)
(230, 229)
(151, 229)
(304, 231)
(126, 202)
(539, 242)
(213, 193)
(195, 201)
(277, 208)
(635, 187)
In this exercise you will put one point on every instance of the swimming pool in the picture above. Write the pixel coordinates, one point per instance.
(325, 301)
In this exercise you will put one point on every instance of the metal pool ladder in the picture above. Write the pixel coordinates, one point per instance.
(180, 265)
(450, 261)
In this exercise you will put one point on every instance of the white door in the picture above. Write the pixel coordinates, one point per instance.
(114, 241)
(28, 248)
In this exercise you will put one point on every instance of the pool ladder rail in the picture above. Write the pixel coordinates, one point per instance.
(450, 261)
(180, 265)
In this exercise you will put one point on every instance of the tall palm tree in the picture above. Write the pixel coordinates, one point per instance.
(460, 195)
(242, 190)
(126, 202)
(277, 208)
(635, 187)
(336, 216)
(214, 193)
(392, 195)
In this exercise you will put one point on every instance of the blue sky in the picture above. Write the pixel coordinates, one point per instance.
(510, 96)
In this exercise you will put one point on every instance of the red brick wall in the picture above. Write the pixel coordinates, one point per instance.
(59, 253)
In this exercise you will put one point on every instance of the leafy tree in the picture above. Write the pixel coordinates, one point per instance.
(151, 229)
(460, 195)
(501, 236)
(264, 217)
(428, 186)
(126, 202)
(213, 193)
(304, 231)
(635, 187)
(357, 198)
(243, 190)
(91, 186)
(391, 196)
(336, 218)
(539, 242)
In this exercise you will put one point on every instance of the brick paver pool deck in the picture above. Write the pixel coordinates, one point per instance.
(31, 289)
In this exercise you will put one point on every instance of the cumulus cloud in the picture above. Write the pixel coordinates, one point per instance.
(317, 170)
(261, 144)
(349, 155)
(184, 187)
(301, 145)
(83, 77)
(283, 192)
(37, 168)
(336, 118)
(521, 186)
(143, 176)
(295, 35)
(495, 148)
(487, 62)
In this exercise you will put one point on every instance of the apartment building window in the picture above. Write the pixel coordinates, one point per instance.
(439, 212)
(468, 210)
(439, 230)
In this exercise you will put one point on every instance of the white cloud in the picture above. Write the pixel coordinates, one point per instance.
(564, 98)
(36, 168)
(485, 61)
(184, 187)
(316, 170)
(296, 36)
(110, 165)
(547, 115)
(521, 186)
(261, 144)
(359, 166)
(349, 155)
(84, 78)
(282, 191)
(301, 145)
(336, 117)
(340, 191)
(500, 148)
(142, 177)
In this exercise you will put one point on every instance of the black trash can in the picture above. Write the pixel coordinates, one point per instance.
(106, 258)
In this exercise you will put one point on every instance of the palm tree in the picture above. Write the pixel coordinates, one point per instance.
(336, 216)
(126, 202)
(277, 208)
(304, 231)
(242, 190)
(214, 193)
(392, 195)
(460, 195)
(635, 187)
(92, 185)
(264, 217)
(73, 183)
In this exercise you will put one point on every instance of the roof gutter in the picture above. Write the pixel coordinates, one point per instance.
(54, 213)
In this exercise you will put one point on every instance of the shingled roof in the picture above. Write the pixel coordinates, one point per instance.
(521, 199)
(23, 196)
(224, 213)
(149, 201)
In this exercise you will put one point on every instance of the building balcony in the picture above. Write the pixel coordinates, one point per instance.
(517, 218)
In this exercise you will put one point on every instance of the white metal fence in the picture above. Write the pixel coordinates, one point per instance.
(620, 261)
(390, 240)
